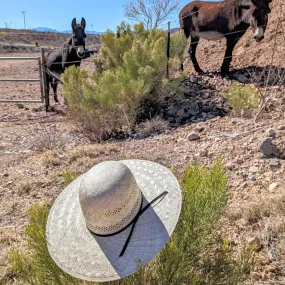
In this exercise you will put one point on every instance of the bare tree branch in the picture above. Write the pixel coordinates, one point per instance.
(151, 13)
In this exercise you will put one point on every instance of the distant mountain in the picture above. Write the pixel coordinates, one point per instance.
(45, 30)
(48, 30)
(86, 32)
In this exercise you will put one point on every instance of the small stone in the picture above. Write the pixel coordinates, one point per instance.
(241, 78)
(274, 162)
(264, 277)
(255, 276)
(193, 136)
(186, 157)
(9, 183)
(273, 186)
(251, 140)
(281, 128)
(203, 153)
(20, 105)
(239, 161)
(270, 133)
(255, 242)
(256, 227)
(267, 147)
(271, 276)
(251, 177)
(253, 169)
(193, 80)
(181, 114)
(210, 154)
(229, 166)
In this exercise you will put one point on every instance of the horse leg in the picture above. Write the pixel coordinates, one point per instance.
(225, 68)
(192, 52)
(54, 87)
(48, 82)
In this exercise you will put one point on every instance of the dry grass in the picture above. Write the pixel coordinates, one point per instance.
(50, 158)
(91, 151)
(153, 126)
(44, 136)
(24, 188)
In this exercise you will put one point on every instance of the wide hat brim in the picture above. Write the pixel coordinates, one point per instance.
(86, 256)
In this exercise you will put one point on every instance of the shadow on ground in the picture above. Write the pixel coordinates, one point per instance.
(182, 102)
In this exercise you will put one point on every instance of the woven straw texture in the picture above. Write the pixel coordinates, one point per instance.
(86, 256)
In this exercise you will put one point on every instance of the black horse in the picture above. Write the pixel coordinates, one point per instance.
(228, 19)
(72, 53)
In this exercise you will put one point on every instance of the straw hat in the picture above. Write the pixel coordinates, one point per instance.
(114, 217)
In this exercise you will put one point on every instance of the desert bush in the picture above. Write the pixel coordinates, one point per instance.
(244, 100)
(132, 65)
(178, 43)
(195, 254)
(69, 176)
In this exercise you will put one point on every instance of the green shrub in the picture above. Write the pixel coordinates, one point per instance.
(244, 100)
(110, 101)
(69, 176)
(194, 255)
(178, 44)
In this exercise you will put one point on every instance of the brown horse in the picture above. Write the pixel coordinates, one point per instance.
(227, 19)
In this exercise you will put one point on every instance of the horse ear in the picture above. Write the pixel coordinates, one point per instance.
(73, 24)
(83, 23)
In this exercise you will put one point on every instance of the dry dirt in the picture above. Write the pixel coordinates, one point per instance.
(256, 209)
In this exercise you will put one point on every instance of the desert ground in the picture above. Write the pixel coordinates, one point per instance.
(37, 147)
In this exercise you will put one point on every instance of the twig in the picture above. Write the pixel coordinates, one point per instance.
(233, 136)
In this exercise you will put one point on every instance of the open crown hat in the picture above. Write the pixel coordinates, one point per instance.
(113, 218)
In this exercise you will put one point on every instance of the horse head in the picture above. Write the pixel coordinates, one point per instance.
(259, 18)
(78, 37)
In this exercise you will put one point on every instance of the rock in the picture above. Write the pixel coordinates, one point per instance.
(193, 80)
(255, 276)
(186, 157)
(203, 153)
(210, 154)
(273, 186)
(9, 183)
(193, 136)
(268, 148)
(270, 133)
(253, 169)
(264, 277)
(251, 177)
(256, 227)
(281, 128)
(181, 114)
(255, 242)
(251, 140)
(274, 162)
(20, 105)
(230, 166)
(241, 78)
(271, 276)
(239, 161)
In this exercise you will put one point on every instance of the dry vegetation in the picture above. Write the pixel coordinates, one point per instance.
(41, 153)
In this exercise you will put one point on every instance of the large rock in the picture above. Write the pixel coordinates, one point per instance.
(268, 148)
(193, 136)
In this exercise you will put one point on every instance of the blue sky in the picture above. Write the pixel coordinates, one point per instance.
(58, 14)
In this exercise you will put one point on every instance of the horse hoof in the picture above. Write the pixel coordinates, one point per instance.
(50, 109)
(226, 77)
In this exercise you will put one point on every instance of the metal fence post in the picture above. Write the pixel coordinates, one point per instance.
(168, 49)
(46, 93)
